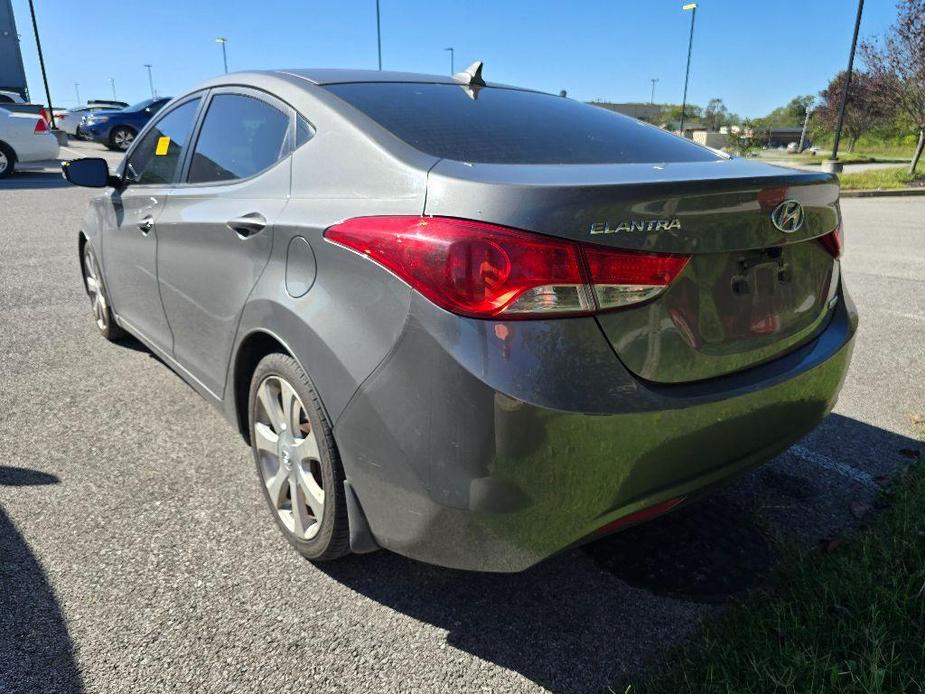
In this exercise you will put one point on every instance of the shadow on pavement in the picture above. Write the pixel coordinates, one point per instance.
(31, 180)
(36, 653)
(587, 619)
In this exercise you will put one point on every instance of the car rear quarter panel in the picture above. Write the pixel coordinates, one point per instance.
(354, 311)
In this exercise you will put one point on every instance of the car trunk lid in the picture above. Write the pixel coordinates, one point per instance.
(750, 291)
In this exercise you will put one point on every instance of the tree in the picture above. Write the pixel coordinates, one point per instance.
(897, 62)
(866, 108)
(797, 107)
(791, 115)
(715, 113)
(672, 112)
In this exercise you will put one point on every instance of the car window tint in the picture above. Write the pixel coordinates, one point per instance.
(4, 99)
(158, 156)
(510, 126)
(240, 137)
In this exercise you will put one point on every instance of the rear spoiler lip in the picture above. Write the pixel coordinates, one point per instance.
(707, 207)
(729, 171)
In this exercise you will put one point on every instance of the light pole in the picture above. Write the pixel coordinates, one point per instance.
(809, 110)
(452, 61)
(77, 89)
(112, 83)
(692, 6)
(653, 80)
(150, 79)
(378, 34)
(833, 164)
(223, 41)
(38, 45)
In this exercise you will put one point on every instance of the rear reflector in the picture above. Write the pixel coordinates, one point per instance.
(485, 270)
(640, 516)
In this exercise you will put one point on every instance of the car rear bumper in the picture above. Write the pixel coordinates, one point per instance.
(491, 446)
(36, 147)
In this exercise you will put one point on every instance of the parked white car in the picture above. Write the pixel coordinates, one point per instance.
(68, 120)
(24, 137)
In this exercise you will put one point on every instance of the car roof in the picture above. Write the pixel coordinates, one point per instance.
(324, 76)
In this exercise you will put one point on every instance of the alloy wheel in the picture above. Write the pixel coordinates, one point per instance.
(4, 161)
(123, 138)
(95, 288)
(289, 459)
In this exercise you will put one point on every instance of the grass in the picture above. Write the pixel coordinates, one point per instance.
(849, 618)
(880, 179)
(845, 157)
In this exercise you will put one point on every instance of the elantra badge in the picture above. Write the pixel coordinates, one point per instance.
(636, 225)
(788, 216)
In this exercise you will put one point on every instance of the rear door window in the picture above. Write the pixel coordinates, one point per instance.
(240, 137)
(157, 158)
(510, 126)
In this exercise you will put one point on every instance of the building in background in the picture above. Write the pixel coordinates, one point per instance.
(12, 72)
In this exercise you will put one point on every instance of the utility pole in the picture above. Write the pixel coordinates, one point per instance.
(690, 45)
(38, 45)
(833, 164)
(809, 110)
(379, 34)
(150, 79)
(77, 89)
(653, 81)
(223, 41)
(112, 83)
(452, 61)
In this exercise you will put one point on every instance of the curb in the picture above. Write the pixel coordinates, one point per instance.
(894, 193)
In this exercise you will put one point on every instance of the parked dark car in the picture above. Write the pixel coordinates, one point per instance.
(470, 323)
(117, 128)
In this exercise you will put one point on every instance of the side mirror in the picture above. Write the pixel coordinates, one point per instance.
(92, 172)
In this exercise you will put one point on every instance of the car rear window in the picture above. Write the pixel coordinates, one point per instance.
(507, 126)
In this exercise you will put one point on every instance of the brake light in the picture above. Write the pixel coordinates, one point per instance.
(484, 270)
(832, 242)
(41, 126)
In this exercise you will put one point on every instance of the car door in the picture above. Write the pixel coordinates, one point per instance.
(130, 245)
(214, 235)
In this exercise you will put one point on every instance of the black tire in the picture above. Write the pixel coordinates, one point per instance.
(332, 539)
(121, 138)
(105, 322)
(9, 156)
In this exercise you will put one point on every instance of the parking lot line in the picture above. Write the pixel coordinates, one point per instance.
(843, 469)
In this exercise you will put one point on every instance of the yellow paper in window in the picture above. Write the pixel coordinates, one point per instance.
(162, 144)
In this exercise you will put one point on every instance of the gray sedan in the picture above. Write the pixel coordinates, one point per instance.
(470, 323)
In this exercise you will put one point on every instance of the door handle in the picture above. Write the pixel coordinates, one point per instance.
(146, 224)
(248, 224)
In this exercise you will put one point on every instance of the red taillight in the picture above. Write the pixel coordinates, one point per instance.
(621, 278)
(832, 242)
(483, 270)
(40, 126)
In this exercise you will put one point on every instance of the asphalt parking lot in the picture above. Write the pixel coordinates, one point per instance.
(136, 553)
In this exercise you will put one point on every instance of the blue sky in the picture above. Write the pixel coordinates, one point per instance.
(754, 55)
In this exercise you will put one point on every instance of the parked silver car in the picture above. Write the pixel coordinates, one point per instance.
(470, 323)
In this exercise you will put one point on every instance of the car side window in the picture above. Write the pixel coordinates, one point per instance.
(240, 137)
(303, 133)
(157, 157)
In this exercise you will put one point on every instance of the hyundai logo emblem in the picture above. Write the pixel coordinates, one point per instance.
(788, 216)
